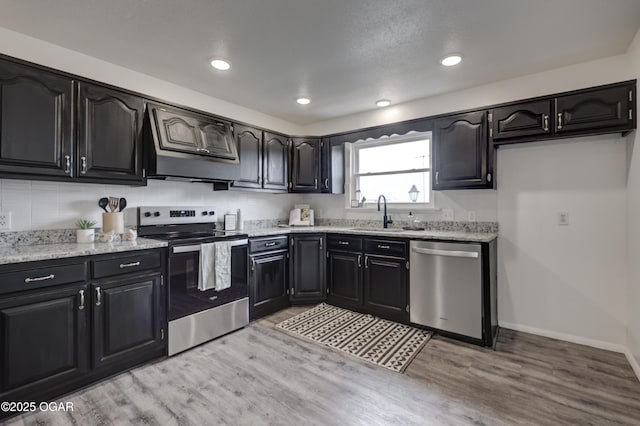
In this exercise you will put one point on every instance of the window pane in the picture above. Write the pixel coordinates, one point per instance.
(399, 156)
(395, 187)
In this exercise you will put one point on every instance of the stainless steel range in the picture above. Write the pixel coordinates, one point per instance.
(197, 315)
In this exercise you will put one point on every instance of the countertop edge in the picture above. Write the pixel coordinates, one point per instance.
(34, 253)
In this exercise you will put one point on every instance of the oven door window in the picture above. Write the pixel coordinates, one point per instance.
(184, 296)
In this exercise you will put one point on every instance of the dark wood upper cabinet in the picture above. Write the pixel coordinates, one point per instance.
(605, 109)
(35, 122)
(305, 165)
(109, 134)
(127, 318)
(249, 142)
(190, 132)
(460, 152)
(275, 169)
(44, 339)
(307, 268)
(522, 120)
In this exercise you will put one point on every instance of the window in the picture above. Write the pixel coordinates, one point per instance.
(392, 166)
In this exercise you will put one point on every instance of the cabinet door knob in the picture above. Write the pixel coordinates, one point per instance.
(545, 122)
(326, 183)
(366, 261)
(437, 177)
(83, 165)
(98, 296)
(359, 261)
(559, 120)
(315, 183)
(67, 164)
(253, 264)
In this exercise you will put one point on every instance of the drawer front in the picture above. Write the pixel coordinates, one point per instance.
(385, 247)
(257, 245)
(125, 264)
(42, 277)
(343, 242)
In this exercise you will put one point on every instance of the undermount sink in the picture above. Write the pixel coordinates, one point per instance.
(378, 229)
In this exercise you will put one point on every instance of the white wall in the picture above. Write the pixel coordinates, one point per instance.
(47, 54)
(633, 225)
(564, 281)
(51, 205)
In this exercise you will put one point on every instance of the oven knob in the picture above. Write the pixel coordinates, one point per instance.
(212, 213)
(147, 214)
(204, 213)
(156, 214)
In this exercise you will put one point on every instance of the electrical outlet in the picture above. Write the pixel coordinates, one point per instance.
(563, 218)
(447, 214)
(471, 215)
(5, 221)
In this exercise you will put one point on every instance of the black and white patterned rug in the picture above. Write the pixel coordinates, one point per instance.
(372, 339)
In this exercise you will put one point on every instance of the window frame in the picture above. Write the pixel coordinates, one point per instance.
(352, 176)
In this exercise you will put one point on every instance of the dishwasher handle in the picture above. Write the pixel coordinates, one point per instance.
(450, 253)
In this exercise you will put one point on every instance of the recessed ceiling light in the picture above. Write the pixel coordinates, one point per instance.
(383, 103)
(220, 64)
(303, 101)
(451, 60)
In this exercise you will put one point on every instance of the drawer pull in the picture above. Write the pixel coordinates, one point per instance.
(98, 296)
(81, 305)
(271, 244)
(30, 280)
(343, 243)
(129, 265)
(383, 247)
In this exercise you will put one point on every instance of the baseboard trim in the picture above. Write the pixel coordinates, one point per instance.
(634, 363)
(614, 347)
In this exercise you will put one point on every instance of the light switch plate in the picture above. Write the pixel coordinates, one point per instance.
(563, 218)
(471, 215)
(447, 214)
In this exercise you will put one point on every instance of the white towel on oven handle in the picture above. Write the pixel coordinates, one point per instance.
(215, 266)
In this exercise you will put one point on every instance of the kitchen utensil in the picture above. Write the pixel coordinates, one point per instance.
(114, 203)
(122, 204)
(103, 203)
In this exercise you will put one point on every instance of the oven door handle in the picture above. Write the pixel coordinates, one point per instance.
(196, 247)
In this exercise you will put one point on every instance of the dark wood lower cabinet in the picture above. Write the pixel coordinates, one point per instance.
(307, 268)
(344, 278)
(385, 286)
(126, 318)
(269, 283)
(43, 336)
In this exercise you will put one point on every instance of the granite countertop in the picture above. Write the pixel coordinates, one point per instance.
(30, 253)
(476, 237)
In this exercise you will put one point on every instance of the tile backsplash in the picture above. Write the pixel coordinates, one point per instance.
(57, 205)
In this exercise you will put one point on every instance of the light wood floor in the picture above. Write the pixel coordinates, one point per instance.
(260, 375)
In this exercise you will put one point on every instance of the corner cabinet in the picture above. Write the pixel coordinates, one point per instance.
(109, 135)
(307, 268)
(305, 165)
(36, 136)
(461, 155)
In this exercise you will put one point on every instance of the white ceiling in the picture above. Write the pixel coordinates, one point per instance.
(344, 54)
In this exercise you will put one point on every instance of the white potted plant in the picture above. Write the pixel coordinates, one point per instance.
(86, 233)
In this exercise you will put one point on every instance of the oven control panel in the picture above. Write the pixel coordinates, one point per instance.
(168, 215)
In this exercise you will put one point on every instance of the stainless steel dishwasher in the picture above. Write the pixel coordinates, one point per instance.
(446, 287)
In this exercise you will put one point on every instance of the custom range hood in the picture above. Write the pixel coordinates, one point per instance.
(188, 146)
